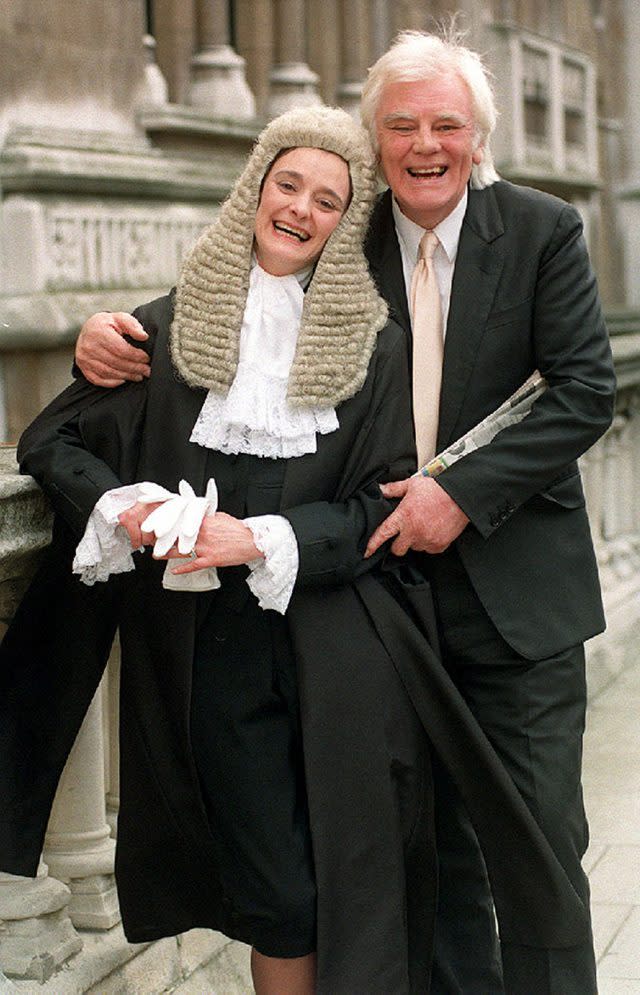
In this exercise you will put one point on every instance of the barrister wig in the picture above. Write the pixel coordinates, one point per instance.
(342, 311)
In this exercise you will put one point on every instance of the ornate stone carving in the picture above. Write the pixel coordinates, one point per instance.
(89, 248)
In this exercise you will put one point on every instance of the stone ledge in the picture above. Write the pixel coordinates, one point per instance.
(28, 165)
(25, 530)
(108, 965)
(49, 320)
(189, 120)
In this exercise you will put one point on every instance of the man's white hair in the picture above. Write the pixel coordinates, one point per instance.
(416, 55)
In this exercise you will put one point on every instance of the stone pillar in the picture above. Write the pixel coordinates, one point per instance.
(324, 45)
(78, 847)
(36, 934)
(70, 65)
(293, 83)
(253, 24)
(355, 54)
(382, 27)
(411, 15)
(218, 81)
(174, 30)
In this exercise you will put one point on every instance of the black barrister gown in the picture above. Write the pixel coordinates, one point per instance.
(369, 685)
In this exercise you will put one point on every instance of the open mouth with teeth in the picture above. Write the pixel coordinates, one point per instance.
(432, 172)
(298, 233)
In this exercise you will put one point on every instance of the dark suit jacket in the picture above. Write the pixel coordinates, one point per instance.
(523, 296)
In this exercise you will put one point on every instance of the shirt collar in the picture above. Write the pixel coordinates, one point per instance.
(448, 231)
(303, 276)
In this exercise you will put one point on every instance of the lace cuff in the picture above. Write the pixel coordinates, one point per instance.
(272, 580)
(105, 548)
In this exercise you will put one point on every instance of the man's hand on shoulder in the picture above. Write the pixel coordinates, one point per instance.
(427, 519)
(102, 354)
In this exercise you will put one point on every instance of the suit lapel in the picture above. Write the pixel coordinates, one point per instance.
(478, 266)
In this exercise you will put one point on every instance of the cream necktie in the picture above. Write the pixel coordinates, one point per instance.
(428, 349)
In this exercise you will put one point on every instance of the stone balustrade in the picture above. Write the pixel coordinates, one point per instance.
(68, 914)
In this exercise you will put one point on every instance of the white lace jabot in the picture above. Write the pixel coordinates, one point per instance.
(255, 416)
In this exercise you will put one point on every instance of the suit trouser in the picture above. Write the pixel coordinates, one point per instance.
(533, 712)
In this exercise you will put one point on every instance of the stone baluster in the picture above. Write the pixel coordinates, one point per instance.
(36, 934)
(611, 444)
(79, 849)
(616, 499)
(626, 471)
(324, 38)
(383, 27)
(592, 469)
(355, 54)
(174, 32)
(634, 412)
(112, 751)
(253, 33)
(154, 90)
(293, 83)
(410, 15)
(629, 479)
(218, 81)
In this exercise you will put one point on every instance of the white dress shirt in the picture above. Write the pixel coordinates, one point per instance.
(444, 258)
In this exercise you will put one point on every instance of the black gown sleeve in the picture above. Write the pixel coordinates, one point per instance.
(74, 464)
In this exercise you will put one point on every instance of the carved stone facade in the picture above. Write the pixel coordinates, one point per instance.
(123, 124)
(116, 151)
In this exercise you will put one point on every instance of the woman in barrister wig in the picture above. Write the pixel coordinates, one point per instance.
(275, 686)
(277, 375)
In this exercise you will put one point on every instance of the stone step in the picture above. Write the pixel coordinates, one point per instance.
(200, 962)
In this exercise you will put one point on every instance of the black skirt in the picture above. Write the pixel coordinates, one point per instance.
(246, 741)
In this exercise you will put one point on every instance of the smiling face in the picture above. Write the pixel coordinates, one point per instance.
(305, 193)
(427, 143)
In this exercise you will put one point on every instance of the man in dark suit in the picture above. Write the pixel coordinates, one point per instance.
(504, 531)
(509, 552)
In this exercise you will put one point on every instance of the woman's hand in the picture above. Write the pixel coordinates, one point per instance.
(223, 541)
(102, 354)
(132, 520)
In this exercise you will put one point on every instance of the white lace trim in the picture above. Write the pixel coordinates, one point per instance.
(105, 548)
(272, 580)
(255, 416)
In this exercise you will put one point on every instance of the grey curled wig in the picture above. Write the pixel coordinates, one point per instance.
(343, 311)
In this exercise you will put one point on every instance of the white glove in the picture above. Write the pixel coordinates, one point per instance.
(179, 517)
(178, 520)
